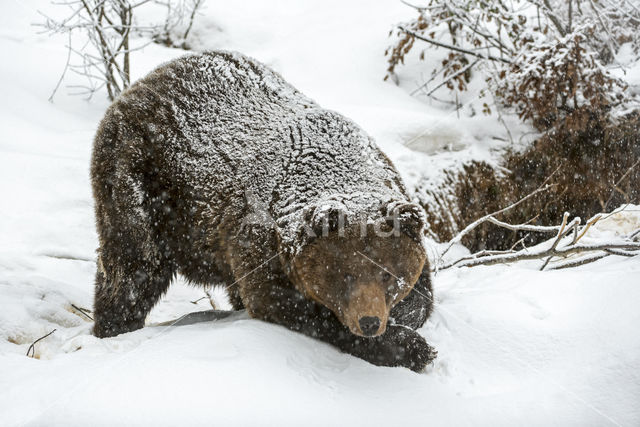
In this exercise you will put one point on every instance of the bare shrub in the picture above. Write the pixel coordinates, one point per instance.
(545, 58)
(590, 170)
(111, 34)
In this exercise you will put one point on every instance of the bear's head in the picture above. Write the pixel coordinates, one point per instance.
(360, 270)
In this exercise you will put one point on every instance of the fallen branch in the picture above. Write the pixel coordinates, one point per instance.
(579, 262)
(526, 255)
(628, 246)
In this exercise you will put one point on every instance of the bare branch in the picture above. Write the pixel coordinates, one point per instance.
(64, 71)
(548, 10)
(451, 47)
(194, 9)
(525, 227)
(636, 163)
(108, 25)
(579, 262)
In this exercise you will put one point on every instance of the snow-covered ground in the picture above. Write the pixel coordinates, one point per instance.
(516, 346)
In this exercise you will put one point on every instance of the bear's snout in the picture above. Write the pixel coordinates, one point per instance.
(369, 325)
(367, 311)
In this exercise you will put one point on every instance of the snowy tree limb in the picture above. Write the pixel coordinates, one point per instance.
(531, 255)
(628, 247)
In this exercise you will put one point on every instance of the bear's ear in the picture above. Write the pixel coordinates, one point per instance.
(408, 218)
(327, 219)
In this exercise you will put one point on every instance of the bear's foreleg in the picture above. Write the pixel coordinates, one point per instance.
(126, 292)
(274, 300)
(416, 307)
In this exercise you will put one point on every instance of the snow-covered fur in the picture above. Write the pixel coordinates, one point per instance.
(215, 167)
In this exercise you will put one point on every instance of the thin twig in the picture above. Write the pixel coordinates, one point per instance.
(554, 18)
(444, 82)
(196, 5)
(513, 247)
(32, 348)
(64, 71)
(477, 255)
(636, 163)
(211, 300)
(620, 252)
(436, 74)
(591, 222)
(559, 237)
(82, 311)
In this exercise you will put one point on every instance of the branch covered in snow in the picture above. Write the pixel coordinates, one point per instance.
(566, 242)
(547, 59)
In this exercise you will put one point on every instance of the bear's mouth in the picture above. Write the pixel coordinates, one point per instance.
(363, 316)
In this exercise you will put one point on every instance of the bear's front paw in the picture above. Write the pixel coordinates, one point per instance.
(401, 346)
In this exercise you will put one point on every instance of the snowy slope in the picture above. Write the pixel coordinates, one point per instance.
(516, 346)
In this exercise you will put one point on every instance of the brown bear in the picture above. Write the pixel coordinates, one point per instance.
(214, 167)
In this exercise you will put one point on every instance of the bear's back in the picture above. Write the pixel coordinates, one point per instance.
(201, 114)
(213, 126)
(207, 96)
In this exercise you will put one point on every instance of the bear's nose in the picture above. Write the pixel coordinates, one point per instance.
(369, 325)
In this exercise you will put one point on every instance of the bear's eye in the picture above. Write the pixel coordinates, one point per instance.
(386, 276)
